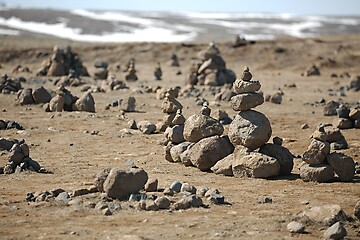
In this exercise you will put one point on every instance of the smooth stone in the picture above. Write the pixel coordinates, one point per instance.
(296, 227)
(246, 101)
(176, 186)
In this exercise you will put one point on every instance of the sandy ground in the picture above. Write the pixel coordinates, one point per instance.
(60, 143)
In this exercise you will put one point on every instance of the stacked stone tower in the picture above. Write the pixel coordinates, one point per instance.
(249, 128)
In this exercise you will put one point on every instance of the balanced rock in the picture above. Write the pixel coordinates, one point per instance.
(316, 152)
(121, 183)
(200, 126)
(241, 86)
(344, 166)
(255, 165)
(205, 153)
(175, 134)
(250, 128)
(170, 105)
(317, 173)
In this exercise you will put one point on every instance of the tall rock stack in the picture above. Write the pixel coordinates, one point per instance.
(249, 131)
(320, 165)
(212, 69)
(101, 71)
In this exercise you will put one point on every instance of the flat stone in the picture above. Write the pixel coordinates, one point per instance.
(296, 227)
(325, 214)
(241, 86)
(317, 173)
(256, 165)
(246, 101)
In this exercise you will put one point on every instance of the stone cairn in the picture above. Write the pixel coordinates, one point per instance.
(249, 131)
(173, 121)
(9, 85)
(131, 71)
(63, 62)
(158, 72)
(211, 69)
(18, 157)
(320, 164)
(174, 62)
(101, 71)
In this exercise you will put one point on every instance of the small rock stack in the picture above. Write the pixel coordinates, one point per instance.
(312, 71)
(249, 131)
(348, 117)
(158, 72)
(173, 121)
(321, 164)
(9, 85)
(174, 61)
(63, 62)
(203, 145)
(101, 71)
(18, 157)
(354, 84)
(212, 69)
(131, 72)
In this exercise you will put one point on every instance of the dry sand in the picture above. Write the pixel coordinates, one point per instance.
(58, 141)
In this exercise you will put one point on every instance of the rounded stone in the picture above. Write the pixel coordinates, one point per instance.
(317, 173)
(250, 128)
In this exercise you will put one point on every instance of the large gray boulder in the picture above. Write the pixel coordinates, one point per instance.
(256, 165)
(282, 154)
(317, 173)
(246, 101)
(41, 95)
(344, 166)
(121, 183)
(200, 126)
(205, 153)
(250, 128)
(86, 103)
(325, 215)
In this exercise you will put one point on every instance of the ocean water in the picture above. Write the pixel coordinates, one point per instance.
(116, 26)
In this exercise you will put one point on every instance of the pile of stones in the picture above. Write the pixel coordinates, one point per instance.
(18, 157)
(173, 121)
(174, 62)
(65, 101)
(320, 163)
(112, 84)
(250, 130)
(348, 117)
(131, 188)
(4, 125)
(9, 85)
(312, 71)
(131, 72)
(37, 96)
(158, 72)
(101, 71)
(211, 70)
(63, 62)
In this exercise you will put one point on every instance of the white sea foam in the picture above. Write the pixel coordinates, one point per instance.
(150, 34)
(9, 32)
